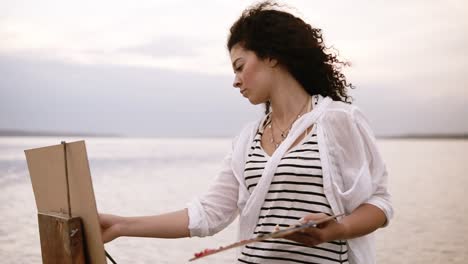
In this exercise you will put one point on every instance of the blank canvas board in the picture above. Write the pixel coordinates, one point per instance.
(47, 169)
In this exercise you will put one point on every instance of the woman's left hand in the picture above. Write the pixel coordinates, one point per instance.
(324, 232)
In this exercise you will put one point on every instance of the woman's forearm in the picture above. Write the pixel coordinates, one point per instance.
(169, 225)
(364, 220)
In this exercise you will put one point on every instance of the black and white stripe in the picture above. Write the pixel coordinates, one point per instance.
(296, 190)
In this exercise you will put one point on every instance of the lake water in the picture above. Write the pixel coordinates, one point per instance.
(142, 176)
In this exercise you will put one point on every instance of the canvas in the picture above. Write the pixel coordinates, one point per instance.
(48, 167)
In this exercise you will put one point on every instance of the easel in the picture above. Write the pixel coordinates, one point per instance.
(66, 238)
(61, 239)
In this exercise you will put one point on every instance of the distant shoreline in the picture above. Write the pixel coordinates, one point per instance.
(20, 133)
(430, 136)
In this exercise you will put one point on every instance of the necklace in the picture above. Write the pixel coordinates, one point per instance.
(284, 133)
(272, 140)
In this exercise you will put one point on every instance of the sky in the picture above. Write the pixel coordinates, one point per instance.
(161, 68)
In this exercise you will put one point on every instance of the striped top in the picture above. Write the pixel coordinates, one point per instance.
(295, 191)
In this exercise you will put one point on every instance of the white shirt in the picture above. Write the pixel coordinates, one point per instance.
(353, 173)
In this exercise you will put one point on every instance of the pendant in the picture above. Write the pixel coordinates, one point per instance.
(283, 135)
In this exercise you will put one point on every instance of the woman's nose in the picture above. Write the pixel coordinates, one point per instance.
(236, 82)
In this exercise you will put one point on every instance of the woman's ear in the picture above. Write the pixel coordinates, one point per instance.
(272, 62)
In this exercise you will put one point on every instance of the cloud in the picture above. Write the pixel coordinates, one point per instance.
(167, 46)
(377, 37)
(53, 96)
(151, 58)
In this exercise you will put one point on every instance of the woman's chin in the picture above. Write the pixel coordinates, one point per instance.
(255, 101)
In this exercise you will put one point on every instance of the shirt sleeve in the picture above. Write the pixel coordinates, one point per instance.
(217, 208)
(360, 172)
(377, 169)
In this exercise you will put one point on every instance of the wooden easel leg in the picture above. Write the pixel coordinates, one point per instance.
(61, 239)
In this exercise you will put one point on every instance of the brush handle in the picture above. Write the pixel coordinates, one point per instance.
(277, 234)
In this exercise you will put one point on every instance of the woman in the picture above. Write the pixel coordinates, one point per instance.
(311, 155)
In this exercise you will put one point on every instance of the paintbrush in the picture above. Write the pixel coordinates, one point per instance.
(277, 234)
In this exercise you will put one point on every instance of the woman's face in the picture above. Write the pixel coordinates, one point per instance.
(253, 75)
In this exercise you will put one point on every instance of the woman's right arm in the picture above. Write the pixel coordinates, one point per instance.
(204, 215)
(169, 225)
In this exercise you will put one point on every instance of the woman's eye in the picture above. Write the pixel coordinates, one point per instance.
(239, 69)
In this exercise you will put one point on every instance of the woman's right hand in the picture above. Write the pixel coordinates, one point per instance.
(110, 226)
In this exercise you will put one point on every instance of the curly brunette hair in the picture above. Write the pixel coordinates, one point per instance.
(276, 34)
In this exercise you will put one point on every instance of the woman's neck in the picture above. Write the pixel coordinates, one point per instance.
(288, 99)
